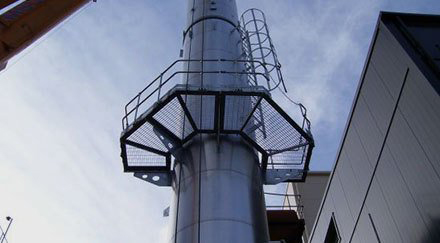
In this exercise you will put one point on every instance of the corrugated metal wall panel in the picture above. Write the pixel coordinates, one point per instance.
(350, 185)
(378, 99)
(421, 110)
(403, 198)
(389, 61)
(323, 222)
(368, 131)
(408, 149)
(402, 205)
(380, 210)
(420, 180)
(365, 233)
(343, 215)
(360, 162)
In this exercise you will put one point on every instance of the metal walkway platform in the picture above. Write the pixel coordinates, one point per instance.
(154, 131)
(149, 141)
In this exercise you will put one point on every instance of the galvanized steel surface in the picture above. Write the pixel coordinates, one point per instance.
(220, 196)
(231, 202)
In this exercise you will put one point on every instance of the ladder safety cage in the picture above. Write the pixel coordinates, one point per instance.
(258, 46)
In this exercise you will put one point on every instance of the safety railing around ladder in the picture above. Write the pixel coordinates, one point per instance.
(260, 67)
(257, 45)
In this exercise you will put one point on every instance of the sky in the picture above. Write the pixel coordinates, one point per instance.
(62, 100)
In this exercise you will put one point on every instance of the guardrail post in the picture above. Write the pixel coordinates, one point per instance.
(137, 107)
(160, 86)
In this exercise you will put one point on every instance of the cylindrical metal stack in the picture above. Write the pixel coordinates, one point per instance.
(218, 186)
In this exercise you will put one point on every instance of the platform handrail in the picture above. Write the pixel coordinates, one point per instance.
(137, 99)
(298, 207)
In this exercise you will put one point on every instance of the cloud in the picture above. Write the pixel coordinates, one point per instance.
(322, 46)
(60, 168)
(62, 105)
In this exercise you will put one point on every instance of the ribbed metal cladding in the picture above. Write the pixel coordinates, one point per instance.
(385, 186)
(218, 186)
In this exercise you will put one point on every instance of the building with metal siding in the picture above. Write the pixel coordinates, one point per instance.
(307, 196)
(385, 185)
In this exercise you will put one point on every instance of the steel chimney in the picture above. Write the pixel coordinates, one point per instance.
(208, 127)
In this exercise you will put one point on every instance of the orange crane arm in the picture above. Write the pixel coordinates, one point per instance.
(5, 3)
(29, 20)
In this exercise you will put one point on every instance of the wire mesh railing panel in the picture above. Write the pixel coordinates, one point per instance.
(250, 112)
(187, 128)
(145, 135)
(280, 134)
(140, 157)
(172, 117)
(292, 159)
(235, 74)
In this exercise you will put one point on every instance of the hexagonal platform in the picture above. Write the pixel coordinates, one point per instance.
(148, 140)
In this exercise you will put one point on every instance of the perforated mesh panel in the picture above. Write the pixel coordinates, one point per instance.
(263, 122)
(279, 133)
(174, 119)
(146, 136)
(140, 157)
(293, 159)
